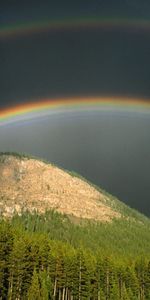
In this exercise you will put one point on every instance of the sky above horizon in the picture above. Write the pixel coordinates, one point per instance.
(109, 148)
(108, 59)
(37, 9)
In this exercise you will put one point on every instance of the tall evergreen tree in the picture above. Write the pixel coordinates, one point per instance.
(6, 244)
(45, 286)
(34, 289)
(20, 269)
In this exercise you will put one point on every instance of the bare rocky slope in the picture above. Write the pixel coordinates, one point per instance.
(33, 185)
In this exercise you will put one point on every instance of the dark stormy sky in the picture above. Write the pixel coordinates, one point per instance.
(112, 149)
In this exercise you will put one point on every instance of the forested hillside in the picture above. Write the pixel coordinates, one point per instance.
(61, 238)
(50, 257)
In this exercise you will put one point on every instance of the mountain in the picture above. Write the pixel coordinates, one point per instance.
(63, 238)
(37, 195)
(27, 183)
(30, 184)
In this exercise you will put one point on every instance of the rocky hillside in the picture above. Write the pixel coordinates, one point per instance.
(30, 184)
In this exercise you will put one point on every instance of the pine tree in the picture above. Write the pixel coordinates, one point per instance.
(43, 252)
(21, 268)
(34, 267)
(114, 292)
(51, 270)
(140, 268)
(131, 282)
(108, 276)
(100, 276)
(125, 295)
(120, 277)
(34, 289)
(60, 272)
(45, 286)
(131, 294)
(147, 281)
(6, 244)
(84, 276)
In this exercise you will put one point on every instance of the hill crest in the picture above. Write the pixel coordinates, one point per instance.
(31, 184)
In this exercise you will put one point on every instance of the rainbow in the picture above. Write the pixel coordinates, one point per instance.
(9, 115)
(31, 27)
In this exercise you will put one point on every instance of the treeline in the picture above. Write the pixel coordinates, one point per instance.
(34, 266)
(122, 237)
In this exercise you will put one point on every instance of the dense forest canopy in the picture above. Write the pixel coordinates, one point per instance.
(50, 257)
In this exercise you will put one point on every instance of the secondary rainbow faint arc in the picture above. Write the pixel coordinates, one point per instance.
(30, 27)
(65, 103)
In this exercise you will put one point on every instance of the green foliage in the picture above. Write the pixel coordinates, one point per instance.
(48, 257)
(46, 285)
(6, 244)
(118, 238)
(34, 289)
(15, 154)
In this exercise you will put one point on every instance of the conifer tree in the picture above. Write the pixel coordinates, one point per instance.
(34, 289)
(131, 295)
(101, 295)
(6, 244)
(125, 295)
(114, 292)
(108, 278)
(147, 281)
(20, 269)
(45, 286)
(131, 282)
(140, 268)
(44, 248)
(32, 266)
(51, 270)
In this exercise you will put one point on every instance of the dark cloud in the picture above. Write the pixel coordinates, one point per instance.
(75, 62)
(112, 151)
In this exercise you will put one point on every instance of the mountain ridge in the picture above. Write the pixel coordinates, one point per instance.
(33, 184)
(62, 190)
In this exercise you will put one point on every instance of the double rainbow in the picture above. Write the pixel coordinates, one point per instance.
(31, 27)
(44, 106)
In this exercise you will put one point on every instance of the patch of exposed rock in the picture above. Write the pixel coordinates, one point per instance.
(30, 184)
